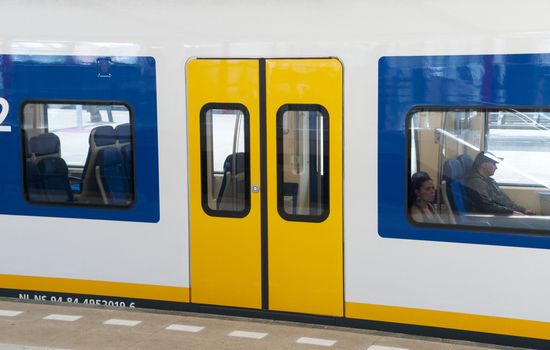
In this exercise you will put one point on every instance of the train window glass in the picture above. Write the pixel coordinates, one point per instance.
(225, 165)
(78, 154)
(303, 162)
(479, 167)
(522, 138)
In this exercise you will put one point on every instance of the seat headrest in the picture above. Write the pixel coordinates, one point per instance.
(102, 136)
(44, 144)
(453, 170)
(228, 164)
(122, 132)
(466, 161)
(108, 157)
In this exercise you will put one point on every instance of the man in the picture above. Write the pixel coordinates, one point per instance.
(484, 195)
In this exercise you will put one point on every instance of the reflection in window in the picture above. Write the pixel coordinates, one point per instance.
(302, 162)
(480, 167)
(225, 160)
(522, 138)
(78, 154)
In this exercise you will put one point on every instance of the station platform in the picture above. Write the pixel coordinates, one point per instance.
(27, 325)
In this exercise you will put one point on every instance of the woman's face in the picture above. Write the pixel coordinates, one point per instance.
(426, 192)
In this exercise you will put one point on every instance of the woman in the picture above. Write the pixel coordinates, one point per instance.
(423, 191)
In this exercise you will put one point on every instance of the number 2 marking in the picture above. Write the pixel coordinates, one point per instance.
(3, 114)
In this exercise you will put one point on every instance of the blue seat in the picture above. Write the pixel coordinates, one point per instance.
(33, 182)
(123, 134)
(44, 145)
(466, 161)
(233, 188)
(453, 175)
(100, 137)
(54, 175)
(123, 141)
(128, 164)
(46, 173)
(111, 177)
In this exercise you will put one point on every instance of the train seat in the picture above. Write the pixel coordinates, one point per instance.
(232, 190)
(445, 200)
(123, 142)
(111, 177)
(47, 174)
(44, 145)
(122, 133)
(466, 161)
(453, 175)
(33, 183)
(127, 163)
(100, 137)
(54, 178)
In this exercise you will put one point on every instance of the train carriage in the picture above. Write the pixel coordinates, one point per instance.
(258, 159)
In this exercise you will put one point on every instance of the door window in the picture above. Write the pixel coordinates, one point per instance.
(302, 162)
(225, 164)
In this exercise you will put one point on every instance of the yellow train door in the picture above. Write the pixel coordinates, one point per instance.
(224, 162)
(266, 205)
(304, 167)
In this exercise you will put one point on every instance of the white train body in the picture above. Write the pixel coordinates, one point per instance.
(437, 276)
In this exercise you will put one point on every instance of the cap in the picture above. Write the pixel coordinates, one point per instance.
(483, 157)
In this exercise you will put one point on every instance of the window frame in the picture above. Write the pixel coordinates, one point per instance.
(204, 159)
(290, 107)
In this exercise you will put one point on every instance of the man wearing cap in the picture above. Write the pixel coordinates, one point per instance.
(484, 194)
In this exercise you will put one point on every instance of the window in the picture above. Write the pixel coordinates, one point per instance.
(225, 163)
(303, 162)
(78, 153)
(479, 167)
(522, 138)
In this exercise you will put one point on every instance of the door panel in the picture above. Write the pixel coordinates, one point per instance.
(305, 249)
(304, 184)
(225, 239)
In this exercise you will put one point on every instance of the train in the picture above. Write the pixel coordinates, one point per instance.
(260, 158)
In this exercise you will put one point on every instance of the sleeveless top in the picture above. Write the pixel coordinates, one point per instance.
(433, 220)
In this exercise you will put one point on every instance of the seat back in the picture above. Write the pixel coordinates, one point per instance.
(123, 135)
(33, 182)
(44, 145)
(466, 161)
(100, 137)
(453, 175)
(111, 177)
(46, 173)
(232, 191)
(123, 142)
(446, 201)
(54, 175)
(128, 164)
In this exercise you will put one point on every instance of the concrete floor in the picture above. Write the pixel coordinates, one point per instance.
(38, 326)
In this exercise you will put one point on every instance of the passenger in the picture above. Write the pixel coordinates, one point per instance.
(423, 194)
(484, 194)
